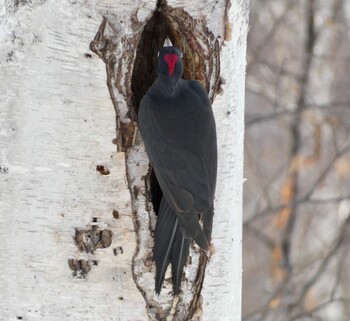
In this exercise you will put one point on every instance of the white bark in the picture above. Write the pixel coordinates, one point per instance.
(57, 124)
(222, 283)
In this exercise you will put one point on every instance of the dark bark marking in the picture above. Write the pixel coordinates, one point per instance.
(102, 169)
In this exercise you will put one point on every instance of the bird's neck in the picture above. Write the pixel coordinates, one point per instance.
(169, 86)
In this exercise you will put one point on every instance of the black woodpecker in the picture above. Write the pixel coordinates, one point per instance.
(178, 128)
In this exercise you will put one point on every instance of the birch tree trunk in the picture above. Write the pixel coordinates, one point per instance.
(76, 211)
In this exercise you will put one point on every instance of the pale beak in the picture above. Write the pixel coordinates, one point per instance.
(167, 43)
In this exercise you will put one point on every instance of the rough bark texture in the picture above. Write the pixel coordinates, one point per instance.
(86, 208)
(57, 126)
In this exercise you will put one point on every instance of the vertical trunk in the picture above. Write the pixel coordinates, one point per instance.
(76, 209)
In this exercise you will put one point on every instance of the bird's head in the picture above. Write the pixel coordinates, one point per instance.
(170, 65)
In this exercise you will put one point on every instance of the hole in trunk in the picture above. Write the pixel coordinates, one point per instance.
(160, 26)
(145, 72)
(145, 69)
(201, 62)
(156, 191)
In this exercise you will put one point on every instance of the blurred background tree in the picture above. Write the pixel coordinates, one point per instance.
(297, 162)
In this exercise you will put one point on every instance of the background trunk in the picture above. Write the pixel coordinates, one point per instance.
(76, 214)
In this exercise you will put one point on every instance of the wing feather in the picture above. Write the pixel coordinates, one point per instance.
(180, 140)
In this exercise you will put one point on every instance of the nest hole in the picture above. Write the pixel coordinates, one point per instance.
(145, 69)
(157, 29)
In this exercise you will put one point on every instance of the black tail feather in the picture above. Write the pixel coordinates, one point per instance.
(178, 259)
(169, 246)
(164, 241)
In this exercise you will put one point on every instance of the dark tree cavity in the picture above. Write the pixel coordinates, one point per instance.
(131, 61)
(161, 25)
(145, 71)
(180, 28)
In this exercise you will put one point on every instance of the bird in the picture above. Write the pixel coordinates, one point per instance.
(177, 125)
